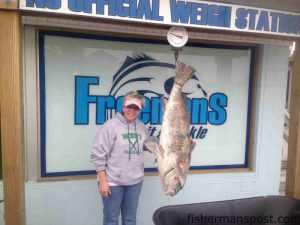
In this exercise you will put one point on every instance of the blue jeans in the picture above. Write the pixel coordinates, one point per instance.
(123, 198)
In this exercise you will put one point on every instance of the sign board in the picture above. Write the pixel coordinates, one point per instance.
(192, 13)
(83, 79)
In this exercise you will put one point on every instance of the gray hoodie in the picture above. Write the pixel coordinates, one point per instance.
(118, 149)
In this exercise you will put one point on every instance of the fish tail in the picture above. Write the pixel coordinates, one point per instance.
(183, 73)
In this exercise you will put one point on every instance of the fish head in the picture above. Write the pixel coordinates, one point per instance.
(172, 183)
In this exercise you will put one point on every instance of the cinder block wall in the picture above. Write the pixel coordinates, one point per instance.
(78, 202)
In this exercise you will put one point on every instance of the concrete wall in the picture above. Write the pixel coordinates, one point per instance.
(78, 202)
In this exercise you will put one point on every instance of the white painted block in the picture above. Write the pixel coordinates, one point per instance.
(78, 202)
(248, 187)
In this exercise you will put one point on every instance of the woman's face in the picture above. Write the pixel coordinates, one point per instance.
(131, 112)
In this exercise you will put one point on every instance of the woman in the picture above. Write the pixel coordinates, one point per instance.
(119, 160)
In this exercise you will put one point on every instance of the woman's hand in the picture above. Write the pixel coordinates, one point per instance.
(103, 185)
(104, 189)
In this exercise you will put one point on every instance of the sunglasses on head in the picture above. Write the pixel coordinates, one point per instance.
(134, 107)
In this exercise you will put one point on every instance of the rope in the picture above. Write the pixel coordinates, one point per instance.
(176, 55)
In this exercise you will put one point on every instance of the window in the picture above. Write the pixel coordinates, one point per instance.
(83, 78)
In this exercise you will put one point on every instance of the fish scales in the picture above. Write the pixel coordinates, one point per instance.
(175, 146)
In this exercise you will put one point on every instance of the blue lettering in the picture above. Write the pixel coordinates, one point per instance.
(198, 133)
(107, 106)
(224, 16)
(111, 7)
(156, 106)
(144, 9)
(36, 3)
(155, 11)
(286, 23)
(50, 4)
(192, 132)
(119, 107)
(241, 21)
(203, 133)
(275, 18)
(289, 23)
(88, 6)
(189, 103)
(180, 11)
(199, 111)
(75, 5)
(213, 17)
(83, 98)
(195, 14)
(145, 113)
(298, 25)
(293, 24)
(252, 18)
(122, 11)
(217, 102)
(133, 10)
(282, 24)
(104, 103)
(263, 21)
(200, 13)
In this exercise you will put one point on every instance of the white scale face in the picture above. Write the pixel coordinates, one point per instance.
(177, 37)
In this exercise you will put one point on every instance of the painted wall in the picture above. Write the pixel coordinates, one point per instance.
(78, 202)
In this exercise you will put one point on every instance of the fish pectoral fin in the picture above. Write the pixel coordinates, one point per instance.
(182, 165)
(182, 181)
(151, 146)
(179, 170)
(192, 145)
(164, 103)
(160, 151)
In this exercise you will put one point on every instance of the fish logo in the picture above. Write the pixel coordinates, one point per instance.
(154, 80)
(135, 63)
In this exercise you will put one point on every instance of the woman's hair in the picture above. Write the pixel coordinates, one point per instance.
(134, 94)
